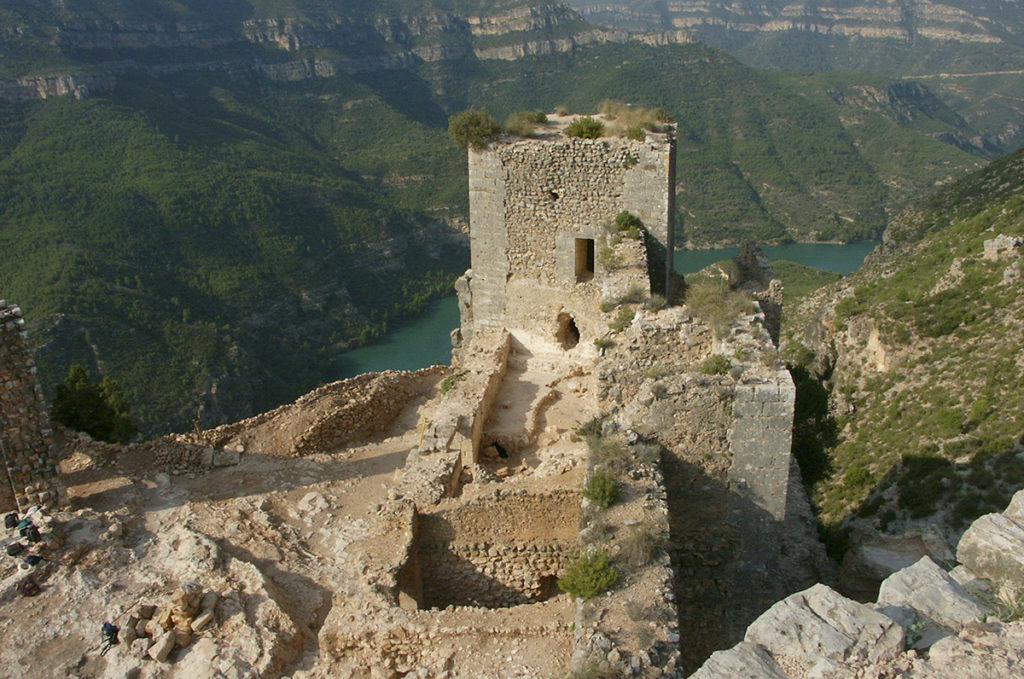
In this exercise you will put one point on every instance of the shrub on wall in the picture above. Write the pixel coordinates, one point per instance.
(585, 127)
(589, 575)
(601, 489)
(473, 128)
(716, 364)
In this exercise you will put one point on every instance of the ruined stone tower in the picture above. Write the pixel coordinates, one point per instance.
(540, 211)
(25, 434)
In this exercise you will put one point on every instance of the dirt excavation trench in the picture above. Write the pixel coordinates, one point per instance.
(498, 551)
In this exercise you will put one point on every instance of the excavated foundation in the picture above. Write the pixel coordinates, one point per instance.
(502, 550)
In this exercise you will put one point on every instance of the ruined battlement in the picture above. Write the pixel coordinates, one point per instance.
(26, 441)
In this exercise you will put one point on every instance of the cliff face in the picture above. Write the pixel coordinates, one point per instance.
(971, 22)
(287, 47)
(920, 349)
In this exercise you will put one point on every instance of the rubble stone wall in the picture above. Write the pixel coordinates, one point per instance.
(27, 439)
(489, 575)
(501, 550)
(505, 517)
(529, 202)
(327, 417)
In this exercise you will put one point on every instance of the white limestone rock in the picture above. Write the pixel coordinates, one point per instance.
(1015, 511)
(819, 622)
(993, 547)
(743, 661)
(162, 647)
(925, 594)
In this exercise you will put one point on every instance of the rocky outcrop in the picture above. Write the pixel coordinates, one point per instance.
(927, 623)
(355, 43)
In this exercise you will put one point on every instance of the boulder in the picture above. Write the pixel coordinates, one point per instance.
(873, 557)
(924, 594)
(162, 647)
(1015, 511)
(743, 661)
(993, 547)
(819, 622)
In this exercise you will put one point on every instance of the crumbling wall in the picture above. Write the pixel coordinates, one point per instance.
(328, 417)
(752, 273)
(26, 439)
(504, 549)
(490, 576)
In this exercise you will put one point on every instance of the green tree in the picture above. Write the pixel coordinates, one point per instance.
(473, 127)
(98, 409)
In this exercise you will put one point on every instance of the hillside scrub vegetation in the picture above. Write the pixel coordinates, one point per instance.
(934, 432)
(163, 229)
(97, 408)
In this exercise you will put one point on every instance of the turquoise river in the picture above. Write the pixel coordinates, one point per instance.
(425, 340)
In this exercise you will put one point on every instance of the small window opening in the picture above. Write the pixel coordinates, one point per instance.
(568, 334)
(584, 259)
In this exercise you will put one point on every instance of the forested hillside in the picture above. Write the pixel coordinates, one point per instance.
(227, 195)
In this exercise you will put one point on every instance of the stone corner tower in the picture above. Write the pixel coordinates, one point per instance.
(540, 210)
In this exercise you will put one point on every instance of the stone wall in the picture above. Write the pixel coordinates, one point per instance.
(488, 575)
(530, 200)
(762, 436)
(328, 417)
(503, 549)
(31, 475)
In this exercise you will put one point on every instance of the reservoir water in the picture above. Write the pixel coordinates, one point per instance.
(836, 257)
(425, 340)
(417, 344)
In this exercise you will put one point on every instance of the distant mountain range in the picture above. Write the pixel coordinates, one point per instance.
(209, 201)
(969, 52)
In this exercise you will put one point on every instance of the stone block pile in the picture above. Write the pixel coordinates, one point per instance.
(155, 632)
(26, 437)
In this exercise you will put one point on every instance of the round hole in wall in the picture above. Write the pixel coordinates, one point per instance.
(568, 334)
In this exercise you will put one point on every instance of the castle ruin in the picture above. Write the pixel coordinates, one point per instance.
(540, 212)
(402, 524)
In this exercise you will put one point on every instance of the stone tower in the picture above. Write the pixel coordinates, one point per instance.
(30, 473)
(540, 210)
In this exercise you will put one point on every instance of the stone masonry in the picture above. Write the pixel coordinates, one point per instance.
(540, 210)
(25, 436)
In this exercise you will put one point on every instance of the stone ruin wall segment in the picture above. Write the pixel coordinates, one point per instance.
(26, 438)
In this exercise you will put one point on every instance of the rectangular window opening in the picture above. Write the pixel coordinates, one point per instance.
(584, 259)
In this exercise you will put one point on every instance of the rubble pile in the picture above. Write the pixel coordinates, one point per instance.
(155, 632)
